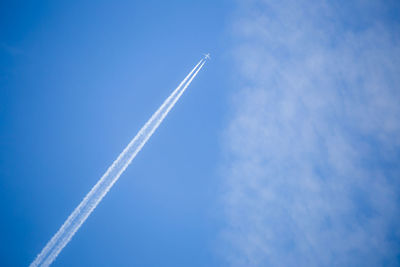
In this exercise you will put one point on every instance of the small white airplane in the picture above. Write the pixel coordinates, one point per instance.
(207, 56)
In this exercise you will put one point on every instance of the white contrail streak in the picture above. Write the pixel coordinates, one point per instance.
(96, 194)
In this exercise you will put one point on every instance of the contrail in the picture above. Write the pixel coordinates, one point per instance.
(96, 194)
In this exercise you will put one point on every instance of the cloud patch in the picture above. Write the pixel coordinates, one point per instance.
(312, 173)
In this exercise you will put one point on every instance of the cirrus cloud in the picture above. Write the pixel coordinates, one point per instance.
(314, 143)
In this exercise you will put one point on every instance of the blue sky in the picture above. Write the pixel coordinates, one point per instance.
(284, 150)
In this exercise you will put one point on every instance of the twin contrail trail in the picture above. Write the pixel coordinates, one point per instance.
(96, 194)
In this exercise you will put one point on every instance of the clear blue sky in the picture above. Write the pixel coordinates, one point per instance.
(284, 150)
(78, 80)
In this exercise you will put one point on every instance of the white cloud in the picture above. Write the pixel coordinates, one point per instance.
(312, 177)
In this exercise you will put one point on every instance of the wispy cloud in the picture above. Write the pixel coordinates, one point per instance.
(313, 172)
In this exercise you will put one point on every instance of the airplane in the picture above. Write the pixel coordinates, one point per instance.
(207, 56)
